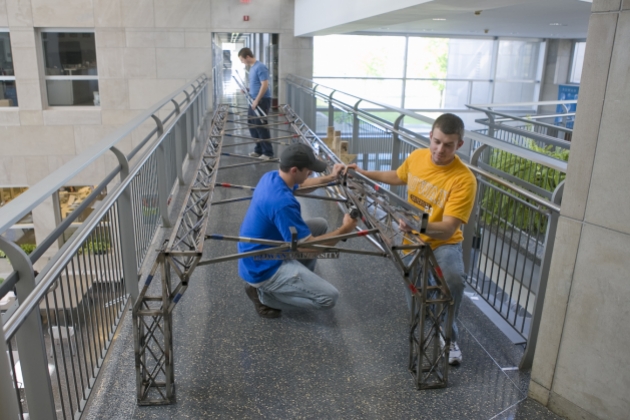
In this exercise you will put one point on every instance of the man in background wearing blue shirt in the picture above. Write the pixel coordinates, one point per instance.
(274, 285)
(259, 91)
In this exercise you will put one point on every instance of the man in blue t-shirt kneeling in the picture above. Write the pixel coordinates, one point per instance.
(274, 285)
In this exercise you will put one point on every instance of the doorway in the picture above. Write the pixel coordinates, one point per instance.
(228, 70)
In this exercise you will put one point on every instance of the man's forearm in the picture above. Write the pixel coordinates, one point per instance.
(387, 177)
(261, 92)
(324, 179)
(339, 231)
(440, 230)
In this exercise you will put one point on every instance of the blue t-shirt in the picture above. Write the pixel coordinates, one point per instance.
(258, 73)
(272, 211)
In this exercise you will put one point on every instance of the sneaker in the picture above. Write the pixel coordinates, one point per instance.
(454, 353)
(265, 157)
(254, 154)
(264, 311)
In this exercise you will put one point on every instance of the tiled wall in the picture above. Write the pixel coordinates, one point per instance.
(145, 49)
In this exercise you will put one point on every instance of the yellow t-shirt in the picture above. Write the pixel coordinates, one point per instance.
(440, 191)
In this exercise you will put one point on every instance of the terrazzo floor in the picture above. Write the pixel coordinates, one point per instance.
(346, 363)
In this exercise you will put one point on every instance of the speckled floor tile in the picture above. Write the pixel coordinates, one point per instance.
(349, 362)
(527, 410)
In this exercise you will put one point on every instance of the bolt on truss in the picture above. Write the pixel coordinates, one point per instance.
(379, 210)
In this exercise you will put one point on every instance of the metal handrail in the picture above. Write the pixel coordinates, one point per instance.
(82, 233)
(68, 251)
(35, 195)
(516, 118)
(13, 278)
(520, 190)
(516, 150)
(510, 216)
(521, 104)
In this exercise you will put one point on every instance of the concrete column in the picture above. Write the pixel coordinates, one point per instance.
(580, 367)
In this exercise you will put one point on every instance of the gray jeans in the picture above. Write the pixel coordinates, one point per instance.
(295, 285)
(450, 258)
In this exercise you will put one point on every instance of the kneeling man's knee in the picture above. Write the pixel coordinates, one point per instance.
(329, 299)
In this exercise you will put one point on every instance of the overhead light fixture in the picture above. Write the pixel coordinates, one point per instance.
(439, 19)
(558, 24)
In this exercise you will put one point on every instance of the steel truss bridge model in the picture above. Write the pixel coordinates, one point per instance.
(431, 312)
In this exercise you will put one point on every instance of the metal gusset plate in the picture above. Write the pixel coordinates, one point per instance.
(180, 254)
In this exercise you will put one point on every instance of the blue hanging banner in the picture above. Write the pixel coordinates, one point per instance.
(567, 93)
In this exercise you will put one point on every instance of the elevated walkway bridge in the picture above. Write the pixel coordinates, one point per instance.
(106, 328)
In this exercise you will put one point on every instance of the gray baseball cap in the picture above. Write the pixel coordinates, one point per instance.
(302, 156)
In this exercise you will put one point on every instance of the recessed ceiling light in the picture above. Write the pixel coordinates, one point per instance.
(439, 19)
(558, 24)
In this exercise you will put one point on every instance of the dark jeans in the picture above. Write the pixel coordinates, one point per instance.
(262, 147)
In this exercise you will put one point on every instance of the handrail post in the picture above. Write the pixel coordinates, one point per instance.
(8, 395)
(161, 162)
(470, 227)
(127, 232)
(396, 143)
(176, 132)
(30, 341)
(396, 148)
(491, 124)
(186, 128)
(331, 110)
(545, 265)
(355, 128)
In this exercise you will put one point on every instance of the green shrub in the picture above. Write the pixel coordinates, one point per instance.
(504, 211)
(95, 247)
(28, 248)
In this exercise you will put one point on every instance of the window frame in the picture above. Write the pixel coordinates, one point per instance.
(45, 77)
(9, 78)
(570, 76)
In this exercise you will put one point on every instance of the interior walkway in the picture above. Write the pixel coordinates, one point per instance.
(349, 362)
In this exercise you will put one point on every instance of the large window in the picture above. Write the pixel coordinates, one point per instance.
(8, 93)
(367, 66)
(431, 73)
(469, 70)
(70, 68)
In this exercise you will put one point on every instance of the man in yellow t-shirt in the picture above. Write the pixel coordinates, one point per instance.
(442, 186)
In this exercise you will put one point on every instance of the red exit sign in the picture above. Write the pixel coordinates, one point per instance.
(245, 1)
